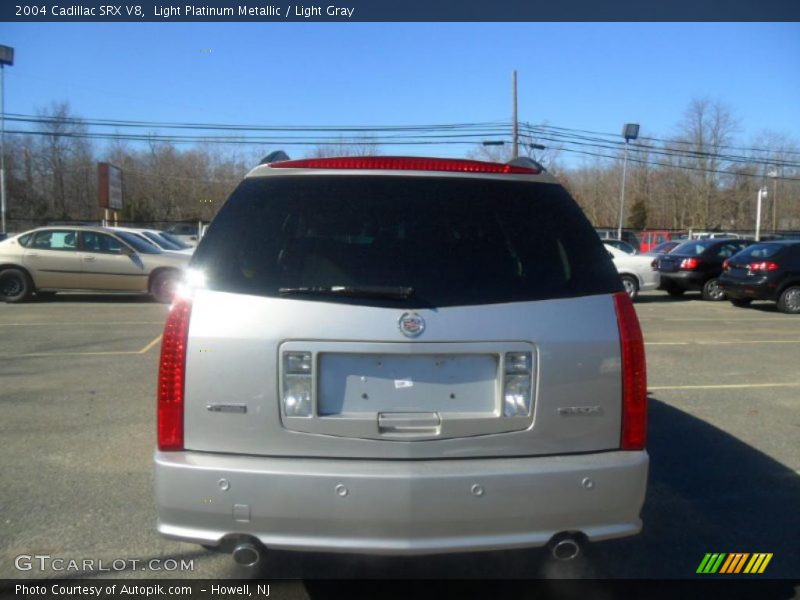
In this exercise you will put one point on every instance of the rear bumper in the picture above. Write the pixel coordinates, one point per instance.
(752, 290)
(685, 280)
(651, 280)
(399, 507)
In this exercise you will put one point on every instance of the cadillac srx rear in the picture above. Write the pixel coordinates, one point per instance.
(400, 356)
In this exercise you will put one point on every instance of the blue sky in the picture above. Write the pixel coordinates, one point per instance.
(593, 76)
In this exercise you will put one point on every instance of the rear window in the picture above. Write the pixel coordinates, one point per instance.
(139, 244)
(159, 241)
(455, 241)
(693, 247)
(760, 251)
(176, 241)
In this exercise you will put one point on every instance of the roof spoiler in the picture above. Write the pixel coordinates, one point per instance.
(276, 156)
(525, 161)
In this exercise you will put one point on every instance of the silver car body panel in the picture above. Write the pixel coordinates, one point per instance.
(399, 507)
(233, 357)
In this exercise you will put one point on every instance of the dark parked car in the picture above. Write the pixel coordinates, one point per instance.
(697, 265)
(765, 271)
(663, 248)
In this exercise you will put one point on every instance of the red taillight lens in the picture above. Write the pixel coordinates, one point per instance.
(764, 266)
(171, 376)
(405, 163)
(634, 375)
(726, 264)
(689, 263)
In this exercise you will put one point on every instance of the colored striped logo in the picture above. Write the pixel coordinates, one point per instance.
(735, 562)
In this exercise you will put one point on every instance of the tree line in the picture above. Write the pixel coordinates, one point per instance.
(698, 178)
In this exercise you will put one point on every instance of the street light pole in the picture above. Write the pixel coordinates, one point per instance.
(762, 192)
(6, 58)
(2, 150)
(774, 174)
(629, 132)
(515, 126)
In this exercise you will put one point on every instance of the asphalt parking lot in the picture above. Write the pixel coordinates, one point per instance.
(77, 384)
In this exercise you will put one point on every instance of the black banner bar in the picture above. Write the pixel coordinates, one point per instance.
(342, 11)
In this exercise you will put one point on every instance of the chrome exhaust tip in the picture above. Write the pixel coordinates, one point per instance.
(566, 548)
(246, 555)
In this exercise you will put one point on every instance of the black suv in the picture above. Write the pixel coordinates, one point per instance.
(697, 265)
(765, 271)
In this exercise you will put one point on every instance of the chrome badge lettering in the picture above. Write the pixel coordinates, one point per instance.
(579, 410)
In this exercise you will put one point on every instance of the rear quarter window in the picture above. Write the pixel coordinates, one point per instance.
(760, 251)
(455, 241)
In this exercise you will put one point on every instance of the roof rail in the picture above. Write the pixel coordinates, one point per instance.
(525, 161)
(275, 156)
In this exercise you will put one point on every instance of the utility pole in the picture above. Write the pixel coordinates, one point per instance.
(6, 59)
(515, 124)
(762, 193)
(773, 172)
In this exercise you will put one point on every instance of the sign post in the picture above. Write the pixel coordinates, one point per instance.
(109, 190)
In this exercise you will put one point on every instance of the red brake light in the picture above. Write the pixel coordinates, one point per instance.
(634, 375)
(171, 376)
(405, 163)
(765, 266)
(726, 264)
(689, 263)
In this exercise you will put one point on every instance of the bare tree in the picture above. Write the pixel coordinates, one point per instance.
(362, 146)
(64, 162)
(706, 128)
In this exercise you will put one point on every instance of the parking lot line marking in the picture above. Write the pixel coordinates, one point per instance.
(97, 353)
(104, 324)
(150, 345)
(144, 350)
(722, 342)
(730, 386)
(714, 343)
(731, 318)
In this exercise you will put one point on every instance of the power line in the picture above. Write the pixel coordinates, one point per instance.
(399, 135)
(615, 136)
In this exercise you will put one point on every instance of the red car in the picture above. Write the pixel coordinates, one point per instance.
(651, 239)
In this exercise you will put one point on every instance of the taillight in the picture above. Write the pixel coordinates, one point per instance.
(171, 376)
(726, 264)
(405, 163)
(689, 263)
(763, 266)
(634, 375)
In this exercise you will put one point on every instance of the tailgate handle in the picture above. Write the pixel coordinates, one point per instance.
(409, 423)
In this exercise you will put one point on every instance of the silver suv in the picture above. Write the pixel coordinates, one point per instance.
(400, 356)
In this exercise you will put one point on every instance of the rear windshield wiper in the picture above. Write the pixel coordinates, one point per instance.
(361, 291)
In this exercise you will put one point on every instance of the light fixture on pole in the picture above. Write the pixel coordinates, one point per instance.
(762, 193)
(629, 132)
(6, 58)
